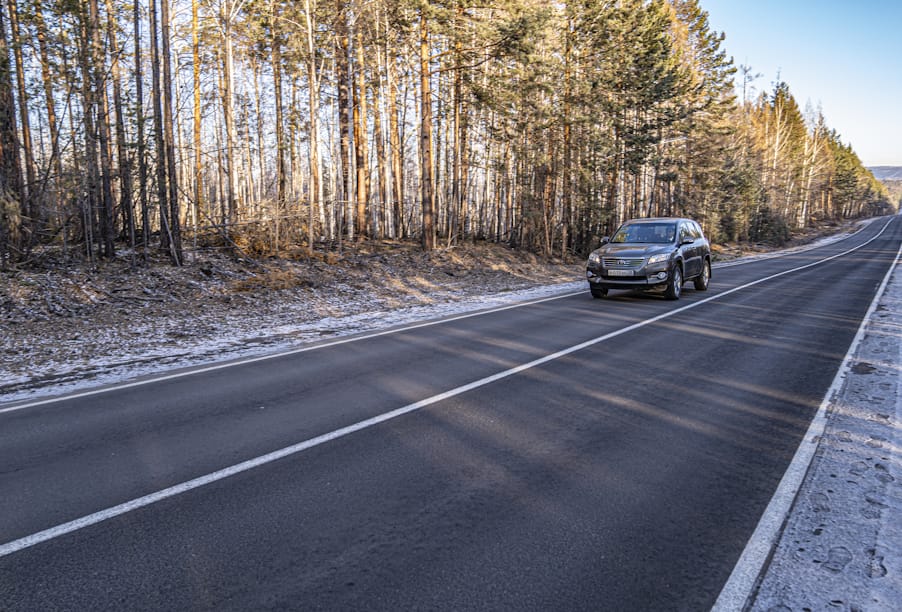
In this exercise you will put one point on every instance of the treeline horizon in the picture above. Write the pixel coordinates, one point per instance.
(274, 125)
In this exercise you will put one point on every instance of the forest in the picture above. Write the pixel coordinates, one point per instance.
(300, 126)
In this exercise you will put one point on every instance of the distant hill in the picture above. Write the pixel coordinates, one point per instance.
(891, 176)
(887, 173)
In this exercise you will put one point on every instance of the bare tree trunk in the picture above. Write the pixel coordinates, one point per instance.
(567, 198)
(249, 205)
(91, 176)
(221, 179)
(439, 172)
(457, 95)
(394, 143)
(142, 156)
(812, 146)
(125, 172)
(30, 168)
(360, 141)
(342, 77)
(316, 189)
(99, 102)
(379, 138)
(280, 121)
(258, 189)
(10, 170)
(464, 203)
(48, 91)
(198, 161)
(229, 112)
(336, 174)
(56, 161)
(174, 209)
(166, 242)
(427, 193)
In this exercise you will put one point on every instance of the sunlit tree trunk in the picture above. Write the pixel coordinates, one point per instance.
(567, 195)
(316, 188)
(228, 109)
(342, 78)
(427, 188)
(361, 149)
(197, 125)
(813, 146)
(379, 139)
(457, 220)
(394, 143)
(280, 120)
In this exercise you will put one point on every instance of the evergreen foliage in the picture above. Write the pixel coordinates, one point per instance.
(548, 124)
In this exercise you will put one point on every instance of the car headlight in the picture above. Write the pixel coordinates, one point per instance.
(595, 259)
(658, 258)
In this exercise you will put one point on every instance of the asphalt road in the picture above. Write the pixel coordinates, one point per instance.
(627, 474)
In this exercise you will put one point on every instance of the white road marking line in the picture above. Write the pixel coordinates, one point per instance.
(304, 349)
(792, 251)
(230, 364)
(743, 580)
(103, 515)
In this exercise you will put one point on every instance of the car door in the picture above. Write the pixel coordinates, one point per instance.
(701, 244)
(690, 249)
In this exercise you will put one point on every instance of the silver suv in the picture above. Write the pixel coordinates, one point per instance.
(657, 254)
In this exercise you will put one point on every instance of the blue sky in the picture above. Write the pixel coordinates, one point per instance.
(844, 55)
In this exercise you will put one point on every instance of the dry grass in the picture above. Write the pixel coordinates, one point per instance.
(272, 279)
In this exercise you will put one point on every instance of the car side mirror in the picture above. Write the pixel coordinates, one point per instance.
(687, 240)
(605, 240)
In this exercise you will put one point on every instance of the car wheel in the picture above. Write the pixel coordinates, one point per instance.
(675, 285)
(599, 293)
(701, 281)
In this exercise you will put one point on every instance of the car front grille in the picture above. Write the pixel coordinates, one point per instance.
(623, 262)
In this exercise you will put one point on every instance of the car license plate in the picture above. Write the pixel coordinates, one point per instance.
(620, 273)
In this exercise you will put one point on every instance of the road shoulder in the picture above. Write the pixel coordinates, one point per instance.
(842, 543)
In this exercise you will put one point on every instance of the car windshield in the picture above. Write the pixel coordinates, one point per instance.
(655, 233)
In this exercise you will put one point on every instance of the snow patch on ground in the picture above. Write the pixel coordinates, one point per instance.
(179, 345)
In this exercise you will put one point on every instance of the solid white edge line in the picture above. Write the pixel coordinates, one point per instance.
(792, 251)
(97, 517)
(304, 349)
(739, 587)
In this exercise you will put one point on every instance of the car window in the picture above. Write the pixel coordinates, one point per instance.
(628, 233)
(651, 233)
(697, 231)
(684, 232)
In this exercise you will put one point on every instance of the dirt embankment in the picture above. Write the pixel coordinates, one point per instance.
(59, 322)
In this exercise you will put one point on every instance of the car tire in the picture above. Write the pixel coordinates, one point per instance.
(675, 283)
(702, 280)
(599, 293)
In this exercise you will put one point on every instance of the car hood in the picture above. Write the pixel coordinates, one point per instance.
(633, 250)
